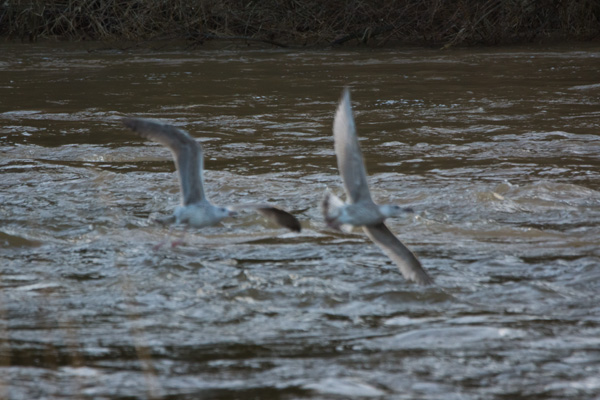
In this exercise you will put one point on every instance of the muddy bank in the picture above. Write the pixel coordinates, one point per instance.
(304, 23)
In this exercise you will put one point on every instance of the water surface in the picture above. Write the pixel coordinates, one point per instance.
(496, 150)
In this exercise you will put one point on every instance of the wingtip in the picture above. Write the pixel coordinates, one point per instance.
(418, 274)
(345, 97)
(343, 115)
(423, 279)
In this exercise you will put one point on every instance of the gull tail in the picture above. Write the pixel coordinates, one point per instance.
(331, 208)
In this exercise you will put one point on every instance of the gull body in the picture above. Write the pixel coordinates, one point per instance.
(358, 214)
(201, 214)
(360, 209)
(195, 209)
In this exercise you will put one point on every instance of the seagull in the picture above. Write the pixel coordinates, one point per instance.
(196, 210)
(360, 209)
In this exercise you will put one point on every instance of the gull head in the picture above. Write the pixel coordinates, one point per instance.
(224, 212)
(393, 210)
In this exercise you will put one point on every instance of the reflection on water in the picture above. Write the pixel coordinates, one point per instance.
(496, 150)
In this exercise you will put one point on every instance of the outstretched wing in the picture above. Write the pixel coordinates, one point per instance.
(187, 153)
(274, 214)
(349, 157)
(409, 265)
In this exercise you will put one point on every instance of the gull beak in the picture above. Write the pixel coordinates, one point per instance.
(233, 213)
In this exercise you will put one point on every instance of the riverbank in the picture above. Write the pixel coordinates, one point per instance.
(304, 23)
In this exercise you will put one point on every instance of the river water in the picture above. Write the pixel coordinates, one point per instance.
(496, 150)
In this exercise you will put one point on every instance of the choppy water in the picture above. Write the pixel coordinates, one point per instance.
(498, 152)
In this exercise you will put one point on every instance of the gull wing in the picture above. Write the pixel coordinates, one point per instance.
(274, 214)
(187, 153)
(409, 265)
(349, 157)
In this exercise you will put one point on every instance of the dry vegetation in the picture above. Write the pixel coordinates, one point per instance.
(304, 22)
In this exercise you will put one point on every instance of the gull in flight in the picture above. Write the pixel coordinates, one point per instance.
(360, 209)
(195, 209)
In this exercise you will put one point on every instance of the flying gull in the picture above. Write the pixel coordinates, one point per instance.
(195, 209)
(360, 209)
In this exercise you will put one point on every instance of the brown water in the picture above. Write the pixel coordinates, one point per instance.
(497, 150)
